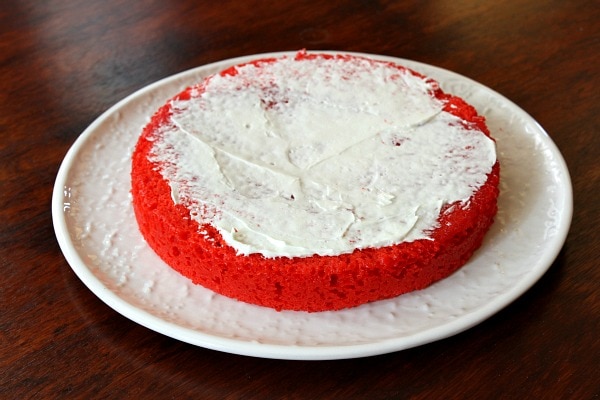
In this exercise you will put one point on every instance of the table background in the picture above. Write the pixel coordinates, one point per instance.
(63, 63)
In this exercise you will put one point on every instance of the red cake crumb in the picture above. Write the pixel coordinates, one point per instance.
(315, 283)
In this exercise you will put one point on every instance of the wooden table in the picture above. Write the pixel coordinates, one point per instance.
(65, 62)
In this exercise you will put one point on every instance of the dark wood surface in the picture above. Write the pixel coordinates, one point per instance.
(62, 63)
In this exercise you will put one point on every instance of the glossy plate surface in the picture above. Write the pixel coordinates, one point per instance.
(97, 232)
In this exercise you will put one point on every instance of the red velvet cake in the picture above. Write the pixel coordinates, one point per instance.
(315, 182)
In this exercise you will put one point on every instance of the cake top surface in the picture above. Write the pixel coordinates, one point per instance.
(318, 155)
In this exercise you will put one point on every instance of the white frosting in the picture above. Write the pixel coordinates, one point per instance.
(298, 158)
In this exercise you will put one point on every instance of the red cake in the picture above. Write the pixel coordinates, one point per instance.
(315, 182)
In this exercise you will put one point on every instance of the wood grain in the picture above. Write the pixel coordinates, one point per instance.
(62, 63)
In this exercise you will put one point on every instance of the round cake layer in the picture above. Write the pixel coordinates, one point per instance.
(185, 232)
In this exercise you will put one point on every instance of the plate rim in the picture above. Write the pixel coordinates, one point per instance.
(297, 352)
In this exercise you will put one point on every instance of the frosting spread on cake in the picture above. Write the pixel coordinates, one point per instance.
(318, 156)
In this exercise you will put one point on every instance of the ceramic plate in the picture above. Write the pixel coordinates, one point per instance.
(97, 232)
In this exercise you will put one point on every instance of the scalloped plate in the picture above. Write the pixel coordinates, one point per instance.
(97, 232)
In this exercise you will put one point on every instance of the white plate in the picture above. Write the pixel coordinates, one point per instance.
(97, 232)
